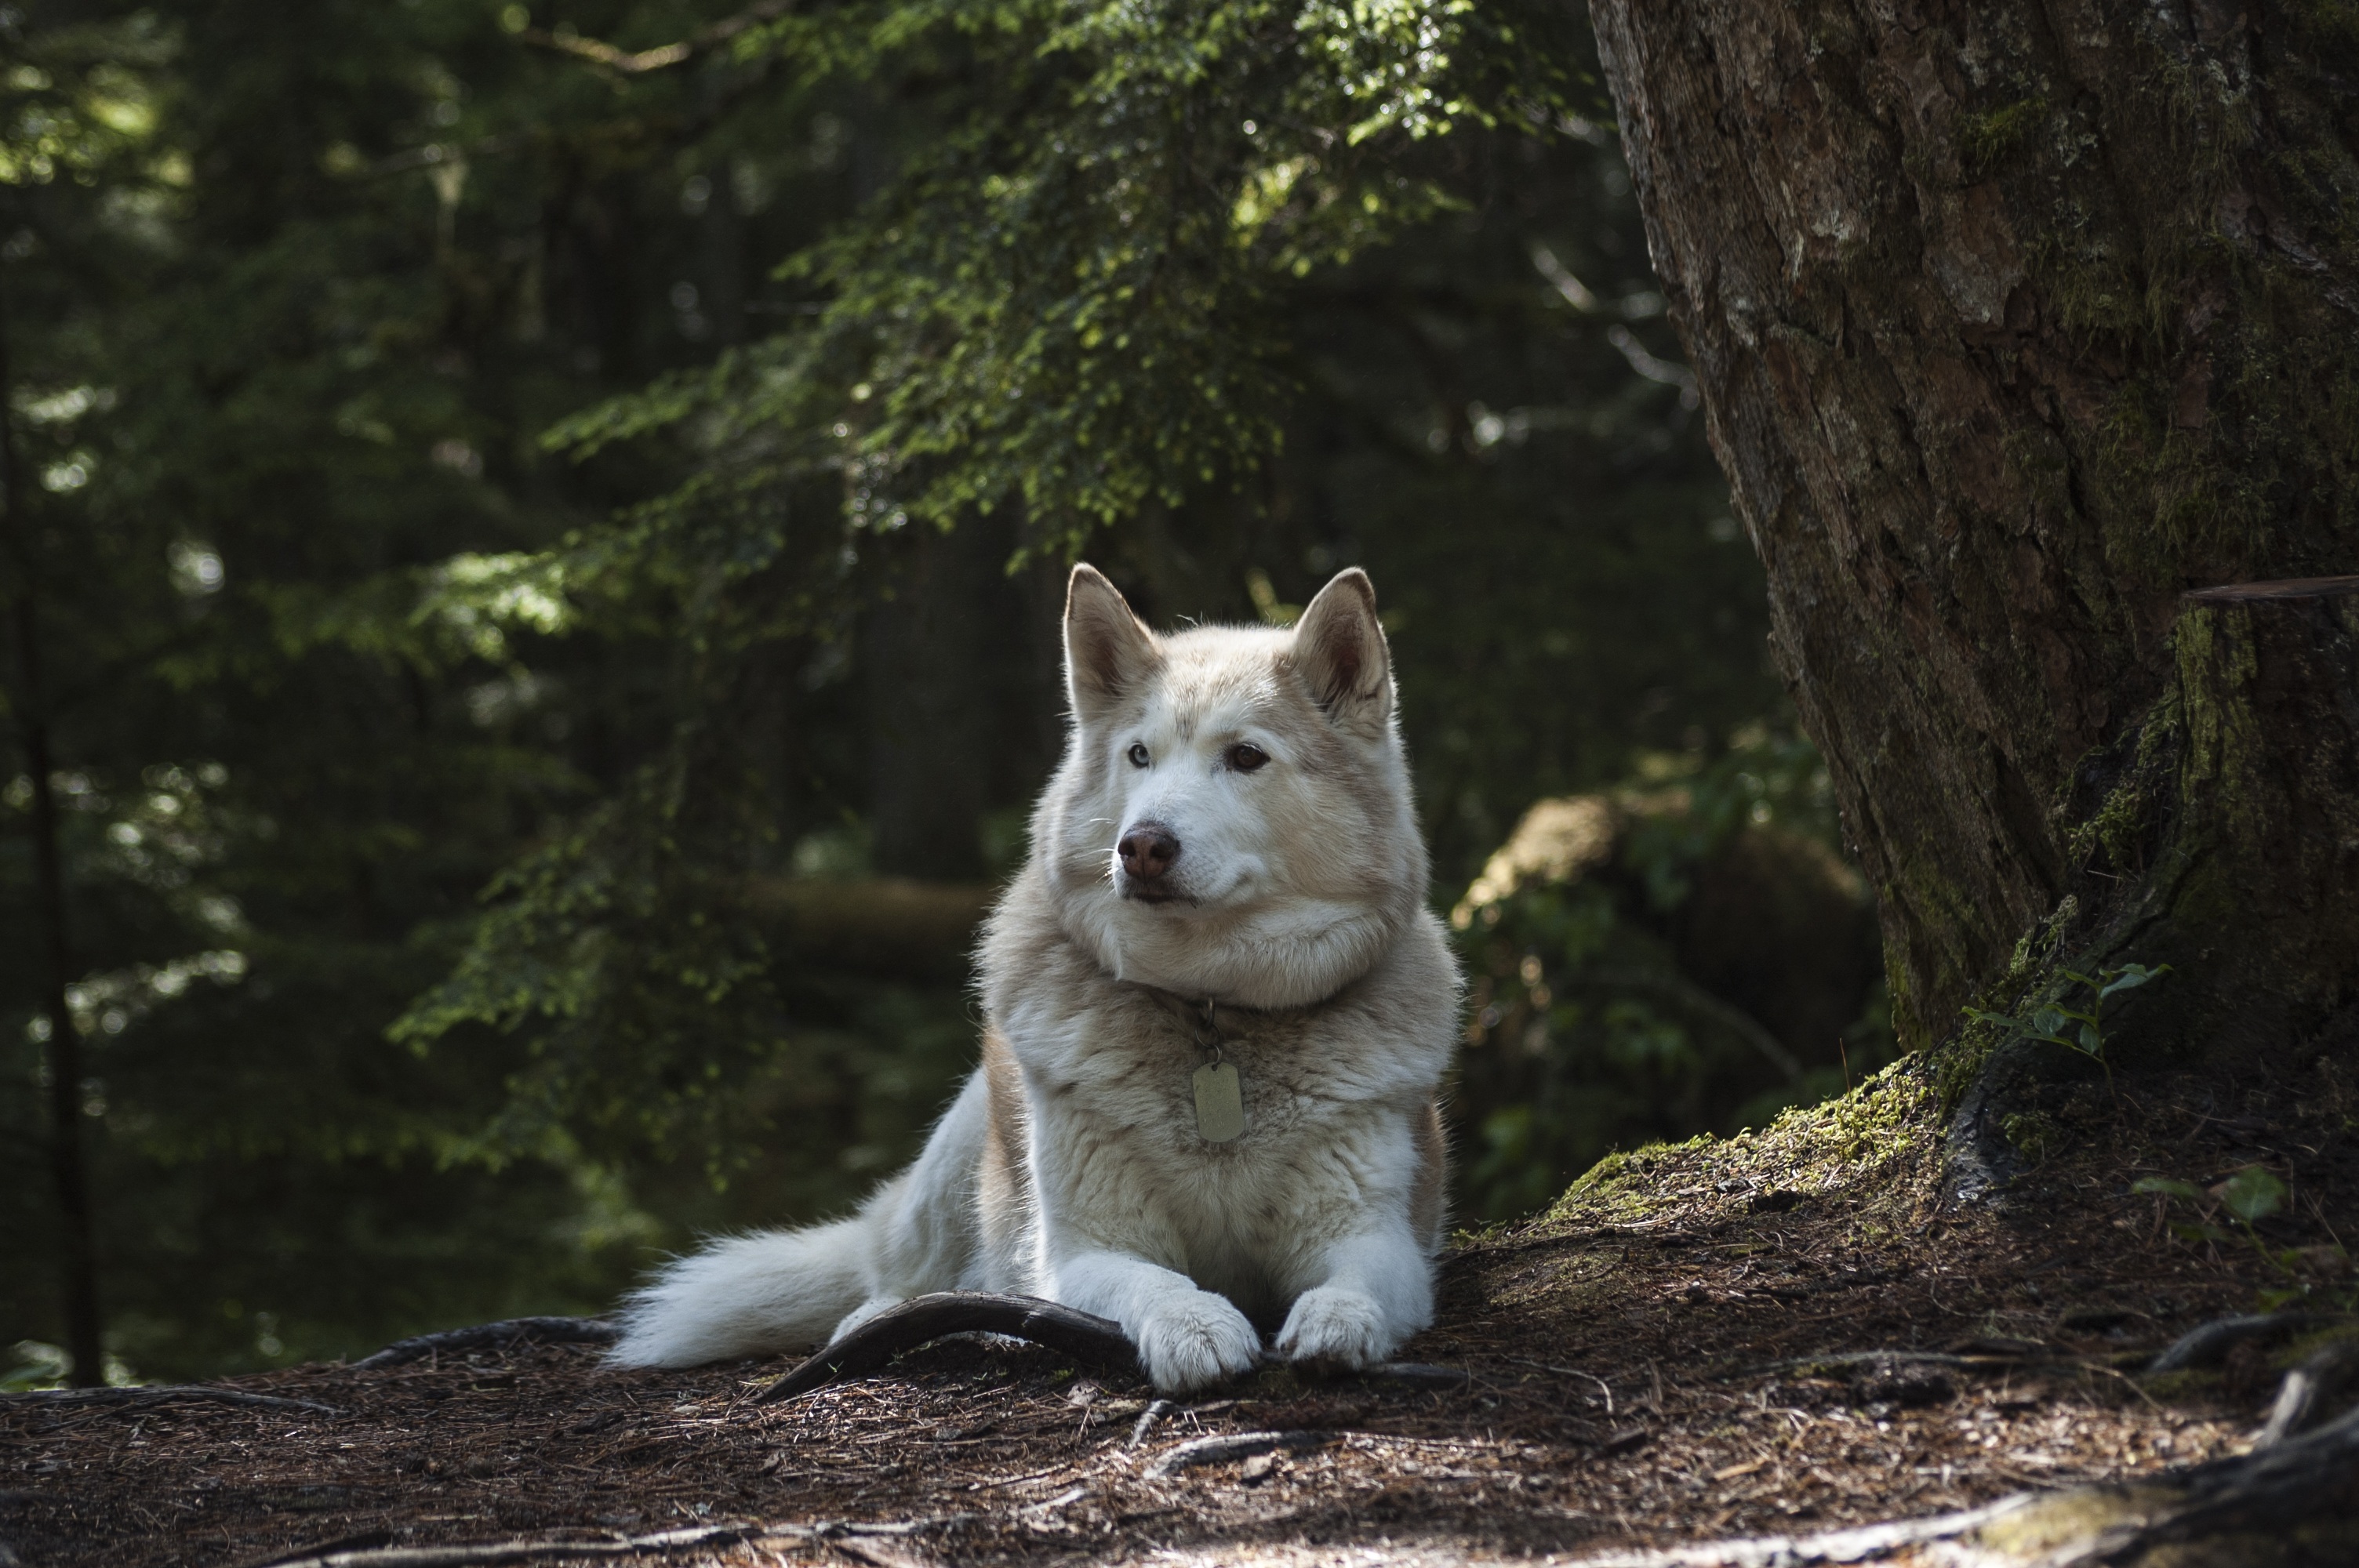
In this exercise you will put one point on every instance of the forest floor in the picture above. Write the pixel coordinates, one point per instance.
(1651, 1362)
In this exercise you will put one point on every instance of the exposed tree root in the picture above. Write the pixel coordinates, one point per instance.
(506, 1334)
(2205, 1346)
(2310, 1386)
(2293, 1503)
(169, 1394)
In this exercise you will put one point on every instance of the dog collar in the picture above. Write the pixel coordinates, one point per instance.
(1220, 1097)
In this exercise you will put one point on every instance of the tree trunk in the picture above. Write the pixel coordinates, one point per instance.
(77, 1251)
(2014, 322)
(928, 651)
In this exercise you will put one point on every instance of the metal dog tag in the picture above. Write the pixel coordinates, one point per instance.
(1220, 1107)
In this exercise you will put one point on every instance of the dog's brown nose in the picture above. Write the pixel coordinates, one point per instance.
(1148, 850)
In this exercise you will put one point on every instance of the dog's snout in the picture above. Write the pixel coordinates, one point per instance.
(1148, 850)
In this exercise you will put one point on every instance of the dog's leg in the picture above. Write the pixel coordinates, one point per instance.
(1374, 1289)
(1186, 1338)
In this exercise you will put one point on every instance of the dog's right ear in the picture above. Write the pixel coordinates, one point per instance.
(1108, 651)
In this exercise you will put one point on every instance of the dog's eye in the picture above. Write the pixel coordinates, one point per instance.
(1137, 754)
(1245, 757)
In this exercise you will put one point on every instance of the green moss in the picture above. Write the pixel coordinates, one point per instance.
(1868, 1144)
(2033, 1135)
(2117, 830)
(2036, 970)
(1987, 141)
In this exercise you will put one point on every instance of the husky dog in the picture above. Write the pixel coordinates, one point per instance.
(1217, 1017)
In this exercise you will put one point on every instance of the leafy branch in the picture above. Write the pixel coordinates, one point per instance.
(2054, 1023)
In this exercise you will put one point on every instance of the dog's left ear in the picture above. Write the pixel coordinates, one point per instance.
(1339, 652)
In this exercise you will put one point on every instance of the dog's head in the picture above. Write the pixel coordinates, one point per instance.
(1232, 817)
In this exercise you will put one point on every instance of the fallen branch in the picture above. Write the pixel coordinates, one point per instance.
(486, 1553)
(1236, 1445)
(506, 1334)
(1097, 1342)
(167, 1393)
(482, 1554)
(1416, 1374)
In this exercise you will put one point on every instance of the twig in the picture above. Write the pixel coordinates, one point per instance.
(167, 1393)
(1604, 1387)
(1096, 1341)
(506, 1334)
(1155, 1411)
(1234, 1445)
(1875, 1357)
(1416, 1374)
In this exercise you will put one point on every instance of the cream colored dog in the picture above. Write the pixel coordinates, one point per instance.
(1217, 1012)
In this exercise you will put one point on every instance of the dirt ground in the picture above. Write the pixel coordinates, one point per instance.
(1648, 1363)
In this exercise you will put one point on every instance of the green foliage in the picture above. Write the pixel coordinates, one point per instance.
(1070, 296)
(474, 492)
(1612, 1008)
(2053, 1023)
(2246, 1198)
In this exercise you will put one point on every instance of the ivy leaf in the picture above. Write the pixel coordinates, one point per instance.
(2129, 977)
(2168, 1186)
(2252, 1193)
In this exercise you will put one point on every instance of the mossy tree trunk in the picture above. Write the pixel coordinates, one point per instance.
(2016, 322)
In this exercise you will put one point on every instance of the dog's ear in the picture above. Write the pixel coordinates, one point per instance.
(1339, 652)
(1108, 651)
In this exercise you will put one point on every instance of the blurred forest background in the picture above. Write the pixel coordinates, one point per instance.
(534, 546)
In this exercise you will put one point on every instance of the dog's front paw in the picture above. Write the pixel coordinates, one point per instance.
(1335, 1328)
(1196, 1340)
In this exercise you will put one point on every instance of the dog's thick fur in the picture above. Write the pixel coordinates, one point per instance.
(1071, 1166)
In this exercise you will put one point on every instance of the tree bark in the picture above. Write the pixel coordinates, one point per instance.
(76, 1252)
(2016, 322)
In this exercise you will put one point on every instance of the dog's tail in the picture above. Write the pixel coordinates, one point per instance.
(790, 1289)
(750, 1295)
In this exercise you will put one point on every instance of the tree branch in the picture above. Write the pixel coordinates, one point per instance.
(504, 1335)
(607, 57)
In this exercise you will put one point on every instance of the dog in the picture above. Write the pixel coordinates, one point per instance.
(1217, 1016)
